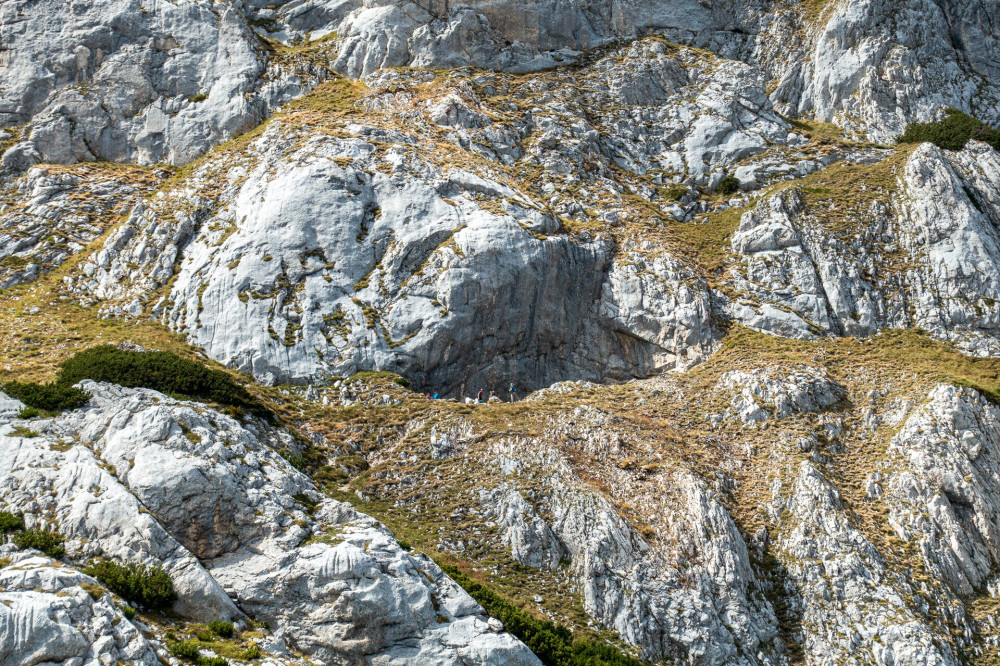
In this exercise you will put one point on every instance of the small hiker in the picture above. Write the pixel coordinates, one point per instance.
(493, 394)
(512, 391)
(479, 397)
(436, 396)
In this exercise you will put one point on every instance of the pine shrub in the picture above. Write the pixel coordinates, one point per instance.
(222, 628)
(729, 185)
(148, 586)
(49, 542)
(160, 371)
(951, 132)
(10, 522)
(49, 397)
(185, 650)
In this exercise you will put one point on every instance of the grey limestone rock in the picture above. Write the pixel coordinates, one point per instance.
(47, 616)
(139, 476)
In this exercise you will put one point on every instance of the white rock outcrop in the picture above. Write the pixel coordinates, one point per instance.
(778, 392)
(127, 80)
(853, 608)
(139, 476)
(691, 595)
(49, 614)
(926, 258)
(945, 496)
(412, 273)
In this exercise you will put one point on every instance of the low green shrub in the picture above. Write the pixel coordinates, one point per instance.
(49, 397)
(160, 371)
(253, 651)
(128, 612)
(552, 643)
(951, 132)
(222, 628)
(49, 542)
(148, 586)
(675, 193)
(185, 650)
(729, 185)
(10, 522)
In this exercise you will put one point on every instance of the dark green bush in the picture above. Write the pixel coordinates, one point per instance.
(222, 628)
(148, 586)
(729, 185)
(185, 650)
(160, 371)
(10, 522)
(952, 132)
(552, 643)
(48, 397)
(128, 612)
(48, 541)
(252, 652)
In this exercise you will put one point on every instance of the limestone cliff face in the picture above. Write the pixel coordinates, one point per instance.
(211, 499)
(761, 335)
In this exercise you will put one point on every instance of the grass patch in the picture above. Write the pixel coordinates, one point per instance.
(841, 195)
(95, 591)
(821, 133)
(213, 661)
(813, 9)
(707, 243)
(337, 97)
(910, 351)
(378, 377)
(253, 651)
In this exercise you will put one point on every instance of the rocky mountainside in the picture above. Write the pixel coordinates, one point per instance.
(741, 260)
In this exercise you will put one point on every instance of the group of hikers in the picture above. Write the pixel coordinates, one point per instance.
(511, 390)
